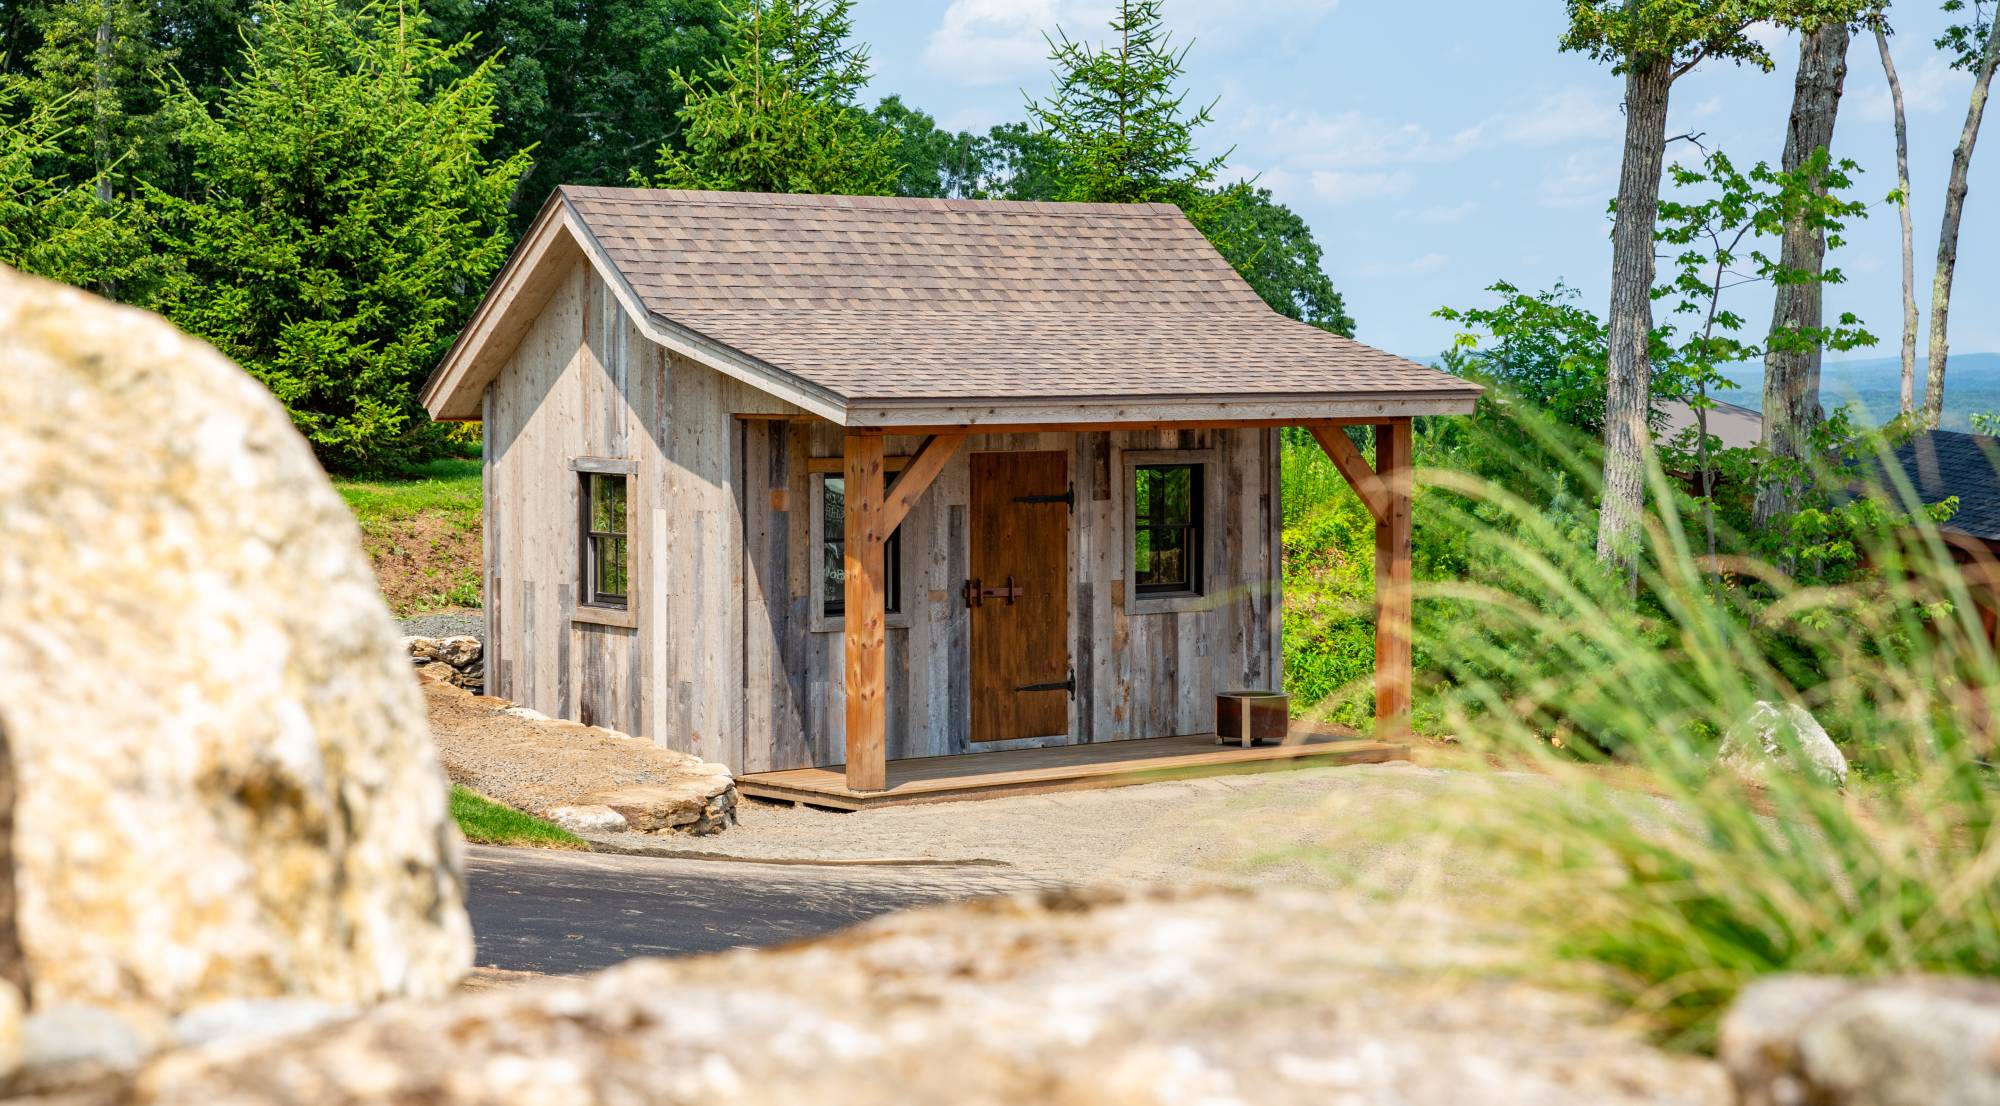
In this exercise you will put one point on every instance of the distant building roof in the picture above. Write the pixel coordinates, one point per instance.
(1736, 427)
(1944, 463)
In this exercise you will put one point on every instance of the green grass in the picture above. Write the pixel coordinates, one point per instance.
(449, 487)
(422, 534)
(486, 822)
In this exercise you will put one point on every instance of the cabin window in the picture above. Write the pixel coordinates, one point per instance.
(607, 551)
(833, 553)
(1166, 529)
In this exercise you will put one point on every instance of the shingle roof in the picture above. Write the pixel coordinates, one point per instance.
(890, 300)
(1942, 463)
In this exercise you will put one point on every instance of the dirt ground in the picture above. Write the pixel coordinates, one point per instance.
(534, 766)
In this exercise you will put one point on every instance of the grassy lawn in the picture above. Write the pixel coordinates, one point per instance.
(486, 822)
(422, 534)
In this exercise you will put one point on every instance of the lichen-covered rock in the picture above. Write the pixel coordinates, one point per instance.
(1762, 737)
(1067, 1000)
(1815, 1041)
(226, 790)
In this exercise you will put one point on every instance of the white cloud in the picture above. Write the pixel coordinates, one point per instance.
(1586, 178)
(1428, 263)
(1932, 85)
(1343, 186)
(1351, 140)
(1437, 214)
(993, 41)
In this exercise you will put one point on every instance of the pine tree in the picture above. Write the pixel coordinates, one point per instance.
(777, 112)
(51, 225)
(343, 219)
(1123, 128)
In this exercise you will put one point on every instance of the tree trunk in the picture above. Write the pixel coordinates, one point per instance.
(1628, 390)
(101, 129)
(1909, 391)
(1791, 374)
(1954, 208)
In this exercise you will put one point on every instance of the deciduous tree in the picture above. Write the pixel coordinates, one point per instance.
(1651, 43)
(1879, 23)
(1975, 45)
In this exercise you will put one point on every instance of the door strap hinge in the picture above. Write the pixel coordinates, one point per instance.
(1068, 685)
(1068, 498)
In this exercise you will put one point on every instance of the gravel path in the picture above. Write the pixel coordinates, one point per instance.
(444, 624)
(1306, 827)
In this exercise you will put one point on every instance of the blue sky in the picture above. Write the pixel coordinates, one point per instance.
(1438, 147)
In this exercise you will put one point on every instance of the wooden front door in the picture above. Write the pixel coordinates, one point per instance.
(1019, 595)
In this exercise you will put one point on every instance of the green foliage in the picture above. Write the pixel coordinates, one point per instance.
(1123, 129)
(776, 113)
(485, 822)
(1676, 905)
(53, 226)
(1676, 32)
(1986, 422)
(1540, 348)
(590, 87)
(1966, 43)
(344, 219)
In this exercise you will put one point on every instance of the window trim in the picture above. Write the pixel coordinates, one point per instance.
(1172, 602)
(585, 609)
(820, 621)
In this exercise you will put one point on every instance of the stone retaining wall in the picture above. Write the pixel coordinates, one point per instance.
(459, 661)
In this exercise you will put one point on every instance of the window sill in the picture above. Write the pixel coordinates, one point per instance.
(899, 620)
(621, 617)
(1176, 603)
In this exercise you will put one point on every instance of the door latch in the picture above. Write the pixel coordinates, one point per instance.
(1067, 498)
(975, 594)
(1068, 685)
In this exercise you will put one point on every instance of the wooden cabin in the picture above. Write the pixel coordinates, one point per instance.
(792, 481)
(1947, 464)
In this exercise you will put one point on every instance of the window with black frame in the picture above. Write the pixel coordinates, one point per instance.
(833, 554)
(1166, 529)
(606, 548)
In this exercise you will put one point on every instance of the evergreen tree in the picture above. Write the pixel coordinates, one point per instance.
(777, 113)
(1123, 130)
(344, 219)
(50, 225)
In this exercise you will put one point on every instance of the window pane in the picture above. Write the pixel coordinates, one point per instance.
(833, 553)
(1161, 560)
(1165, 494)
(607, 504)
(609, 560)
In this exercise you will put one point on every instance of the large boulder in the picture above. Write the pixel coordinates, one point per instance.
(226, 791)
(1817, 1041)
(1785, 735)
(1061, 1000)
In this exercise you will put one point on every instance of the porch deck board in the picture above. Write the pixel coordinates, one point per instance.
(1065, 768)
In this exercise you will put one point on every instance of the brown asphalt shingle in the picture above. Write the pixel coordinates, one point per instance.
(890, 299)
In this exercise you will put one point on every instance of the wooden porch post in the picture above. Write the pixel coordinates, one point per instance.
(865, 638)
(1392, 581)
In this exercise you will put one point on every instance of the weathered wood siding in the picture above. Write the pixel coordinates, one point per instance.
(722, 656)
(1141, 671)
(585, 384)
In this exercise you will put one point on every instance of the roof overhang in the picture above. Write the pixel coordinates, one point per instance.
(559, 239)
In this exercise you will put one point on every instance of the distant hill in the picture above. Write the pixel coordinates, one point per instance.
(1971, 383)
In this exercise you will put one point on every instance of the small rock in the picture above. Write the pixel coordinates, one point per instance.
(588, 819)
(1763, 736)
(459, 651)
(253, 1019)
(420, 648)
(1813, 1041)
(700, 805)
(76, 1036)
(527, 714)
(437, 671)
(11, 1047)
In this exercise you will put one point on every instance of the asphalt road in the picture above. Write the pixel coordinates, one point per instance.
(558, 912)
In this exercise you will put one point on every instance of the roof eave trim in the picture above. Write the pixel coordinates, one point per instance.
(1144, 410)
(454, 388)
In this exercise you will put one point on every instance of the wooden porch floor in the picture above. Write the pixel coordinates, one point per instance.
(1065, 768)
